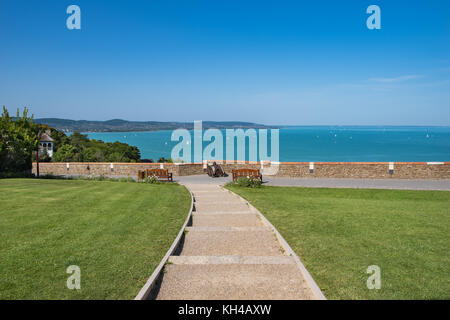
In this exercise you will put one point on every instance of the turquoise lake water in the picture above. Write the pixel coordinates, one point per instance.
(321, 143)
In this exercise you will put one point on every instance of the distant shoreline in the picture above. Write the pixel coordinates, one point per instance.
(331, 127)
(118, 125)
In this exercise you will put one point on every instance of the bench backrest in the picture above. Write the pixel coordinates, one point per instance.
(158, 172)
(245, 172)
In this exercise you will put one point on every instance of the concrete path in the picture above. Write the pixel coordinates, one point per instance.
(229, 252)
(407, 184)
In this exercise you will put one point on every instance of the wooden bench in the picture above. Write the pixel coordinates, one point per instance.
(161, 174)
(252, 173)
(141, 175)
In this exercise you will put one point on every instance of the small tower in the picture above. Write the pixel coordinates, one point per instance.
(46, 143)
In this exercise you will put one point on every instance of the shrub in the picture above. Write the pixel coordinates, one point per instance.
(51, 176)
(7, 175)
(248, 182)
(151, 179)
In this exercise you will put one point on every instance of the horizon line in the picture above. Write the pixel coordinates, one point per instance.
(258, 123)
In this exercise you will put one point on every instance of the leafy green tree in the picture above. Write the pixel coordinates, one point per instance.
(66, 153)
(18, 140)
(79, 140)
(164, 160)
(88, 155)
(117, 157)
(44, 157)
(91, 150)
(59, 139)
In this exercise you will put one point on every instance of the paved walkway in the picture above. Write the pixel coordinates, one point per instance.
(229, 252)
(417, 184)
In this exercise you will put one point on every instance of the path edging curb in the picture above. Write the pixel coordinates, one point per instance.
(147, 288)
(306, 275)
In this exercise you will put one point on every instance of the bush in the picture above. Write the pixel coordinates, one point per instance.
(7, 175)
(151, 179)
(248, 182)
(52, 176)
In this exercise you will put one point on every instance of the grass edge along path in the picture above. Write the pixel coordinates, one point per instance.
(339, 233)
(116, 232)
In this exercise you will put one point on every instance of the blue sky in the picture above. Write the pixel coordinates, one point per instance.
(273, 62)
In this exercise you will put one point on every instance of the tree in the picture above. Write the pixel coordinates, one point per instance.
(65, 153)
(44, 157)
(164, 160)
(88, 155)
(59, 138)
(18, 140)
(79, 140)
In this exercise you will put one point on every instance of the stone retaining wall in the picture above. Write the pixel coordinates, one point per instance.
(378, 170)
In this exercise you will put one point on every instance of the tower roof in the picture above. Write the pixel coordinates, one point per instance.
(45, 137)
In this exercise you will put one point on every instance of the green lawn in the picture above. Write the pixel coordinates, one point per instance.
(338, 233)
(116, 232)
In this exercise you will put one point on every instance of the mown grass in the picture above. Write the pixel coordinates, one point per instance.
(338, 233)
(117, 233)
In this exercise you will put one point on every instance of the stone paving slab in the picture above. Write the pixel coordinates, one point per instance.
(223, 212)
(216, 197)
(219, 243)
(226, 220)
(233, 281)
(231, 260)
(223, 228)
(237, 206)
(203, 188)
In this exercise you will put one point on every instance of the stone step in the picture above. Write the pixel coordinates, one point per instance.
(226, 228)
(224, 207)
(220, 243)
(205, 191)
(216, 197)
(226, 220)
(247, 212)
(232, 281)
(210, 196)
(231, 260)
(204, 188)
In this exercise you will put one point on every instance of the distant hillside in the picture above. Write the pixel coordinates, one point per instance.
(123, 125)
